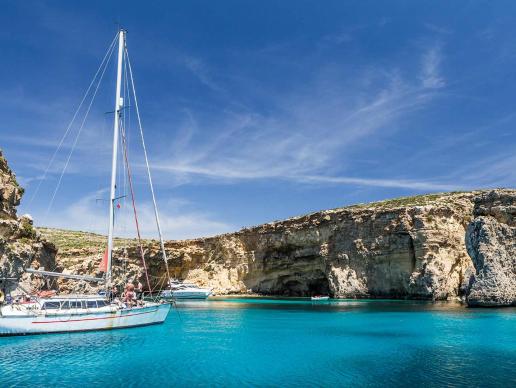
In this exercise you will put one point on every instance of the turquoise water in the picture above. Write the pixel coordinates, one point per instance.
(260, 342)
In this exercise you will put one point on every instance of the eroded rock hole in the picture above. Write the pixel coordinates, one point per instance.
(319, 286)
(305, 287)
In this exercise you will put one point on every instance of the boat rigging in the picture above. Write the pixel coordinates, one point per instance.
(47, 313)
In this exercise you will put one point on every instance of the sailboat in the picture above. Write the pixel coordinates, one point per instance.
(73, 313)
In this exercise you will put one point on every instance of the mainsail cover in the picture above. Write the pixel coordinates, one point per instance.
(103, 263)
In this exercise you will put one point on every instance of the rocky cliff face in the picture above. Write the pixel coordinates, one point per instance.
(10, 190)
(20, 244)
(491, 243)
(427, 247)
(406, 248)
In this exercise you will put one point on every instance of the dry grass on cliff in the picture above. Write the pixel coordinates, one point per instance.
(416, 200)
(66, 240)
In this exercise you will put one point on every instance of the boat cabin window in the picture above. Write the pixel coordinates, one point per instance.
(102, 303)
(75, 304)
(51, 305)
(65, 305)
(91, 304)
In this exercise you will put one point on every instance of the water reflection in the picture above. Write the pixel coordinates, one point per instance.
(249, 341)
(338, 305)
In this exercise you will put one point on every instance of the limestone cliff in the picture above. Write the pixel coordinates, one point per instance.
(491, 243)
(20, 244)
(405, 248)
(429, 247)
(10, 190)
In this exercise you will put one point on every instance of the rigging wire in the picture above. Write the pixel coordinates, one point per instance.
(78, 134)
(134, 206)
(147, 164)
(121, 167)
(109, 50)
(129, 88)
(127, 129)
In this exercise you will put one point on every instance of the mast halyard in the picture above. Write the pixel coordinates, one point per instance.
(118, 109)
(50, 313)
(162, 244)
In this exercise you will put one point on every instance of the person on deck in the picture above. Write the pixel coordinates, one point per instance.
(139, 291)
(129, 295)
(112, 294)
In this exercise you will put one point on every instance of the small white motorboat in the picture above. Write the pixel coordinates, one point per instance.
(320, 297)
(183, 290)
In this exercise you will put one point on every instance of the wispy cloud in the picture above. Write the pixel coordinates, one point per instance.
(430, 75)
(201, 72)
(34, 152)
(437, 29)
(354, 105)
(311, 131)
(488, 171)
(178, 219)
(393, 183)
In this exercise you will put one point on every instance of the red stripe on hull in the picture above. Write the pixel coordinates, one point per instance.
(95, 319)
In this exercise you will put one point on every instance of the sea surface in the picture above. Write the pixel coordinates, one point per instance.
(273, 342)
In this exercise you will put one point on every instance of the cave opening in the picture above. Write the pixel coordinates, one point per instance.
(292, 288)
(305, 287)
(319, 286)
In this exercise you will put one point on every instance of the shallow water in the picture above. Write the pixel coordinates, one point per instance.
(266, 342)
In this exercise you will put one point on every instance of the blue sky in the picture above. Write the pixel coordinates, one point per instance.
(256, 111)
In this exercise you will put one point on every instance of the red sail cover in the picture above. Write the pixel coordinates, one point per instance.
(103, 263)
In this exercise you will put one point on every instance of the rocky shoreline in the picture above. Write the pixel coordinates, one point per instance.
(20, 244)
(431, 247)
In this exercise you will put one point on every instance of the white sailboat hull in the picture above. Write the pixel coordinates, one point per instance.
(59, 323)
(35, 314)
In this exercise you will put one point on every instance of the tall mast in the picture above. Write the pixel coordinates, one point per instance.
(118, 108)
